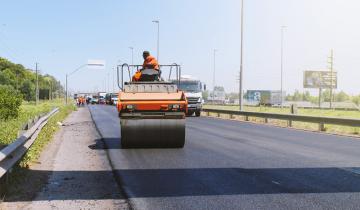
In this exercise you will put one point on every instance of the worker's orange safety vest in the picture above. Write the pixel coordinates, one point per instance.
(151, 60)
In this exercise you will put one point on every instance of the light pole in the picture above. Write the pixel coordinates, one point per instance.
(66, 84)
(77, 69)
(213, 94)
(281, 64)
(241, 58)
(115, 74)
(108, 82)
(158, 38)
(113, 80)
(132, 59)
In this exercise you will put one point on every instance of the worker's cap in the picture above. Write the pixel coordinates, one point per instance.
(146, 53)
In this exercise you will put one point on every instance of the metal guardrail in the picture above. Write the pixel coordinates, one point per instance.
(290, 117)
(14, 151)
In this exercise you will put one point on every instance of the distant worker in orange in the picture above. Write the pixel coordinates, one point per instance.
(150, 62)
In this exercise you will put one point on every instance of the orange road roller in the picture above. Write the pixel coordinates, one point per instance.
(152, 111)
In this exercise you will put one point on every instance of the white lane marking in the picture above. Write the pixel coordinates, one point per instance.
(353, 170)
(277, 183)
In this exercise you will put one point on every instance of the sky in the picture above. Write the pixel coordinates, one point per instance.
(63, 35)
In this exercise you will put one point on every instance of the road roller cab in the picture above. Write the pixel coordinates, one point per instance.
(152, 111)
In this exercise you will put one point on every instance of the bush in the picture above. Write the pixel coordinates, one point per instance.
(10, 101)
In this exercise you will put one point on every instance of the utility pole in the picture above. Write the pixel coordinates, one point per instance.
(66, 89)
(213, 93)
(282, 65)
(108, 83)
(37, 84)
(241, 58)
(320, 93)
(158, 37)
(113, 70)
(331, 63)
(50, 94)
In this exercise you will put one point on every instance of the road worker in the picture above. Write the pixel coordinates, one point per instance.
(150, 62)
(82, 101)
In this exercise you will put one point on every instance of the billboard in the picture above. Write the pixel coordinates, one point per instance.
(270, 97)
(320, 79)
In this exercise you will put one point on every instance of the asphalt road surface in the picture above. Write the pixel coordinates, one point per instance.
(236, 165)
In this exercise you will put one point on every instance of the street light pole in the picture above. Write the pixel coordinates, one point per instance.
(66, 82)
(213, 96)
(331, 62)
(241, 58)
(281, 64)
(132, 59)
(66, 89)
(158, 38)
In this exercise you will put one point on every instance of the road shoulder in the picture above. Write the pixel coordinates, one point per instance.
(73, 172)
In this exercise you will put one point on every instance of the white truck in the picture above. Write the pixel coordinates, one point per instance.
(193, 91)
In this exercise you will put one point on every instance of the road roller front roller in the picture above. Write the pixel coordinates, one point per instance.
(152, 112)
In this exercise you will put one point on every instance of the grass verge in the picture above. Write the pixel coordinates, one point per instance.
(20, 173)
(28, 111)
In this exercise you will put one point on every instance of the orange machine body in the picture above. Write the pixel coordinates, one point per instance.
(156, 102)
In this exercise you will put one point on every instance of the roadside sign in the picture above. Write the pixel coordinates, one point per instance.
(320, 79)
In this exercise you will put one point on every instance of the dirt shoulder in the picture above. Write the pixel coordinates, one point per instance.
(73, 172)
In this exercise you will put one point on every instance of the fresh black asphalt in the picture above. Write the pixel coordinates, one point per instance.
(236, 165)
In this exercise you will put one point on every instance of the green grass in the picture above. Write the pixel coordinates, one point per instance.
(312, 112)
(18, 184)
(301, 125)
(46, 135)
(10, 128)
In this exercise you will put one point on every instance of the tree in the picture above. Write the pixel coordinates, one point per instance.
(342, 96)
(10, 101)
(24, 80)
(356, 99)
(205, 95)
(306, 96)
(28, 90)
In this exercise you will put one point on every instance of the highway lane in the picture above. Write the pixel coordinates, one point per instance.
(236, 165)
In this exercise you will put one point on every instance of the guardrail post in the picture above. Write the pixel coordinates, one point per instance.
(218, 114)
(266, 120)
(246, 118)
(290, 123)
(321, 127)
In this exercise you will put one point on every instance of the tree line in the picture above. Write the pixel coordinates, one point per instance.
(340, 96)
(23, 81)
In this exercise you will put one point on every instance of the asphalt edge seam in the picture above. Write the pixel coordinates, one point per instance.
(118, 180)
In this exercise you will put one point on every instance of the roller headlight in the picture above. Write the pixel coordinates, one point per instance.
(130, 107)
(174, 106)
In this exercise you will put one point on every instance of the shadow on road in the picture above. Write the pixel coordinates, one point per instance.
(110, 143)
(236, 181)
(201, 182)
(69, 185)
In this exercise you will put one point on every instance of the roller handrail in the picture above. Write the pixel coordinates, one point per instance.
(120, 75)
